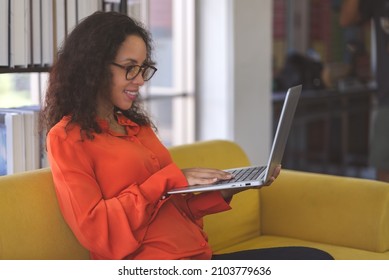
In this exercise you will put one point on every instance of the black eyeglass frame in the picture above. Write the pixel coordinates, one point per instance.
(142, 68)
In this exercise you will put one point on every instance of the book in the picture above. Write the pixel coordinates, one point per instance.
(47, 32)
(60, 23)
(4, 33)
(19, 33)
(12, 143)
(3, 146)
(71, 12)
(36, 34)
(31, 139)
(87, 7)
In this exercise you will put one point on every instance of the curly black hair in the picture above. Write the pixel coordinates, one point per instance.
(81, 72)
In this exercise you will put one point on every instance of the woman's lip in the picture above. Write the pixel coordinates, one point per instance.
(131, 91)
(131, 94)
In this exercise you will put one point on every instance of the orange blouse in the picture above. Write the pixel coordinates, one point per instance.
(111, 191)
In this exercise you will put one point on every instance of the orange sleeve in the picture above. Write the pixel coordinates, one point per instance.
(112, 228)
(207, 203)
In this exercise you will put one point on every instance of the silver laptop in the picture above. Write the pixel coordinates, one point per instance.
(255, 176)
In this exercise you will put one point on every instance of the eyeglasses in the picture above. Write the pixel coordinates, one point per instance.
(133, 71)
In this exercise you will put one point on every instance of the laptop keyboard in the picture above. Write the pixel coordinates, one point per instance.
(245, 174)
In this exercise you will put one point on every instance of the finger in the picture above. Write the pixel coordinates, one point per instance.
(208, 173)
(270, 181)
(202, 181)
(277, 170)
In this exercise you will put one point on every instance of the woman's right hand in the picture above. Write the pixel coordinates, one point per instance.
(204, 176)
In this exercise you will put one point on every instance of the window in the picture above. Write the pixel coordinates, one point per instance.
(21, 89)
(170, 93)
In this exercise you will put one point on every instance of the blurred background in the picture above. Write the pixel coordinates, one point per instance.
(218, 62)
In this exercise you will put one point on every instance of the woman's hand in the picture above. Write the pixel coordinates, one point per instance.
(228, 193)
(204, 176)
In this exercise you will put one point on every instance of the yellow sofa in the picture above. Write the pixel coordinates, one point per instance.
(347, 217)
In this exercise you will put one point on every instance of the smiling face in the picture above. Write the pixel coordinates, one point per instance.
(124, 92)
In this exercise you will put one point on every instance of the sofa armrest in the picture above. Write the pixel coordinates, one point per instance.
(329, 209)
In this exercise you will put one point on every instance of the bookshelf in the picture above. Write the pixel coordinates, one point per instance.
(31, 32)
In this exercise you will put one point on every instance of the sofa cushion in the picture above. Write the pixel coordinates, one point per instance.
(31, 224)
(236, 225)
(338, 252)
(346, 211)
(221, 154)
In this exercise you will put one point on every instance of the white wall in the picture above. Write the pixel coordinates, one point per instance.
(234, 73)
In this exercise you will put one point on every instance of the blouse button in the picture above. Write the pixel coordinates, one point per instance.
(203, 244)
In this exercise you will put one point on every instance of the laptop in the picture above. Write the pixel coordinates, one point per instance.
(256, 176)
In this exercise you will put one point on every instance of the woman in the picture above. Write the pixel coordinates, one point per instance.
(110, 170)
